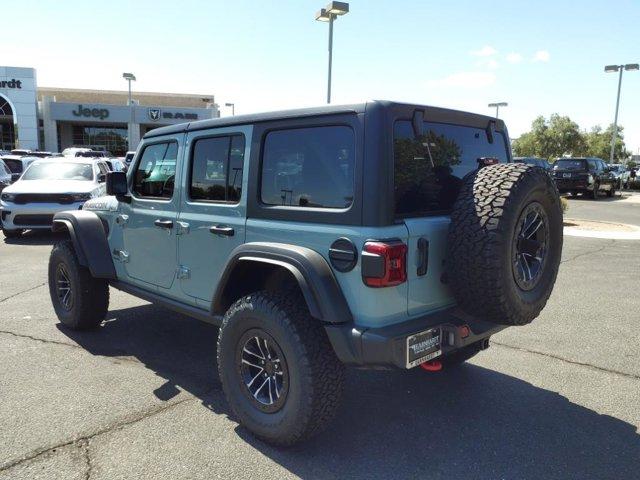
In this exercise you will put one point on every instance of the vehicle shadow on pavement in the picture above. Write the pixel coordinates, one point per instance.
(35, 237)
(469, 422)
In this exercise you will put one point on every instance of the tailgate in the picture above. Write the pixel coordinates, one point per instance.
(426, 292)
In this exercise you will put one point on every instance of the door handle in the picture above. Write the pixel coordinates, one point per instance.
(168, 224)
(222, 230)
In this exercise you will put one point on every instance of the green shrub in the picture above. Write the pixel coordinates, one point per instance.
(634, 185)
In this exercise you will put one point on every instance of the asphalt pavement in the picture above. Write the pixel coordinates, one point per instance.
(140, 398)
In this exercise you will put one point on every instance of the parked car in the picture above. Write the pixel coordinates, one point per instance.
(40, 154)
(46, 187)
(115, 164)
(128, 157)
(20, 151)
(17, 164)
(5, 176)
(620, 173)
(588, 176)
(348, 235)
(535, 161)
(72, 151)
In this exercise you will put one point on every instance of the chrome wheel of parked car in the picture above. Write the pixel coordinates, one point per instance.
(263, 370)
(530, 247)
(63, 288)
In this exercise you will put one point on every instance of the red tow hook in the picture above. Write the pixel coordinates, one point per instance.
(432, 366)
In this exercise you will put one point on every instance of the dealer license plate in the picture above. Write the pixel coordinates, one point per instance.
(566, 175)
(423, 346)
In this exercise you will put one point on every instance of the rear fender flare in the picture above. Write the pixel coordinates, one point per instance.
(311, 271)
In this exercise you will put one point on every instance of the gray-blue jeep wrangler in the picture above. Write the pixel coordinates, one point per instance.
(373, 235)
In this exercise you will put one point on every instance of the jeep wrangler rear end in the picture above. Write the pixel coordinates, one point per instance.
(375, 235)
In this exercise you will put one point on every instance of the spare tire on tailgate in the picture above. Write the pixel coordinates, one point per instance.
(505, 243)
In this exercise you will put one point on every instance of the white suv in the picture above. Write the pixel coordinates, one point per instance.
(48, 187)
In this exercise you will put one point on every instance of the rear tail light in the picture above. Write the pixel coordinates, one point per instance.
(384, 264)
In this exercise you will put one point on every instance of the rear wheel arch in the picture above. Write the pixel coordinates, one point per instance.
(272, 266)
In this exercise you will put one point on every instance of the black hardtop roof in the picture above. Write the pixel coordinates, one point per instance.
(442, 113)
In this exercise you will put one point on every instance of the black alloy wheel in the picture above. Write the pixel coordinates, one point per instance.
(262, 370)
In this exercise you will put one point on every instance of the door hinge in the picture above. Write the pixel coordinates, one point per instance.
(121, 255)
(122, 220)
(182, 228)
(183, 272)
(423, 256)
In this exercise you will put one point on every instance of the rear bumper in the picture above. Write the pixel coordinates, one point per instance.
(387, 346)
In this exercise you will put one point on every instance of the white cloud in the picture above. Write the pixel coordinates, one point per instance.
(486, 51)
(541, 56)
(514, 57)
(469, 80)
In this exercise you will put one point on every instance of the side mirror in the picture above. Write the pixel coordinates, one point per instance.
(117, 184)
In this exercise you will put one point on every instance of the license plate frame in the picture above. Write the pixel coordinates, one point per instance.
(566, 175)
(423, 346)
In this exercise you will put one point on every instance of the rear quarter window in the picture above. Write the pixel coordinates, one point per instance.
(309, 167)
(428, 171)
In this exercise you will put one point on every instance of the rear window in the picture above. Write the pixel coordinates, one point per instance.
(309, 167)
(566, 164)
(14, 165)
(428, 173)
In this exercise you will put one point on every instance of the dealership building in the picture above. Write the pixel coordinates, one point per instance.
(52, 119)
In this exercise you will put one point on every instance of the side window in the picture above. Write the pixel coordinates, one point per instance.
(309, 167)
(155, 174)
(592, 165)
(216, 169)
(102, 167)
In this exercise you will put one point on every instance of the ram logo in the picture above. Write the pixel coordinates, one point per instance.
(154, 113)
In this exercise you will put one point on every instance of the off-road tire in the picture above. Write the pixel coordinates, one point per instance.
(612, 191)
(89, 296)
(12, 233)
(316, 376)
(481, 246)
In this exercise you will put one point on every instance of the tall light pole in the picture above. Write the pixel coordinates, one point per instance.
(329, 14)
(129, 77)
(611, 69)
(233, 108)
(497, 105)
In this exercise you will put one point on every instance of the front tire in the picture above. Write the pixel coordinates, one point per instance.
(278, 370)
(12, 233)
(79, 300)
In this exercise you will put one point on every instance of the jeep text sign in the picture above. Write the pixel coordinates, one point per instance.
(100, 113)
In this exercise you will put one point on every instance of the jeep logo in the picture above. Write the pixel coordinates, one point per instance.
(154, 113)
(100, 113)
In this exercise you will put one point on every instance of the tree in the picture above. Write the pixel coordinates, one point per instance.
(560, 136)
(599, 143)
(551, 138)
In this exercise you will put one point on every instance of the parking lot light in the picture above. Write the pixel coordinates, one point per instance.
(610, 69)
(330, 14)
(233, 108)
(497, 106)
(130, 77)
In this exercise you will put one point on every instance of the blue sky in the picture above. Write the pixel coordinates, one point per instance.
(541, 57)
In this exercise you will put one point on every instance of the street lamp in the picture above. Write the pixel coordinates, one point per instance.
(233, 107)
(329, 14)
(611, 69)
(497, 105)
(129, 77)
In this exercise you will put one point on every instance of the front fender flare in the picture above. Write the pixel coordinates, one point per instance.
(89, 240)
(315, 278)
